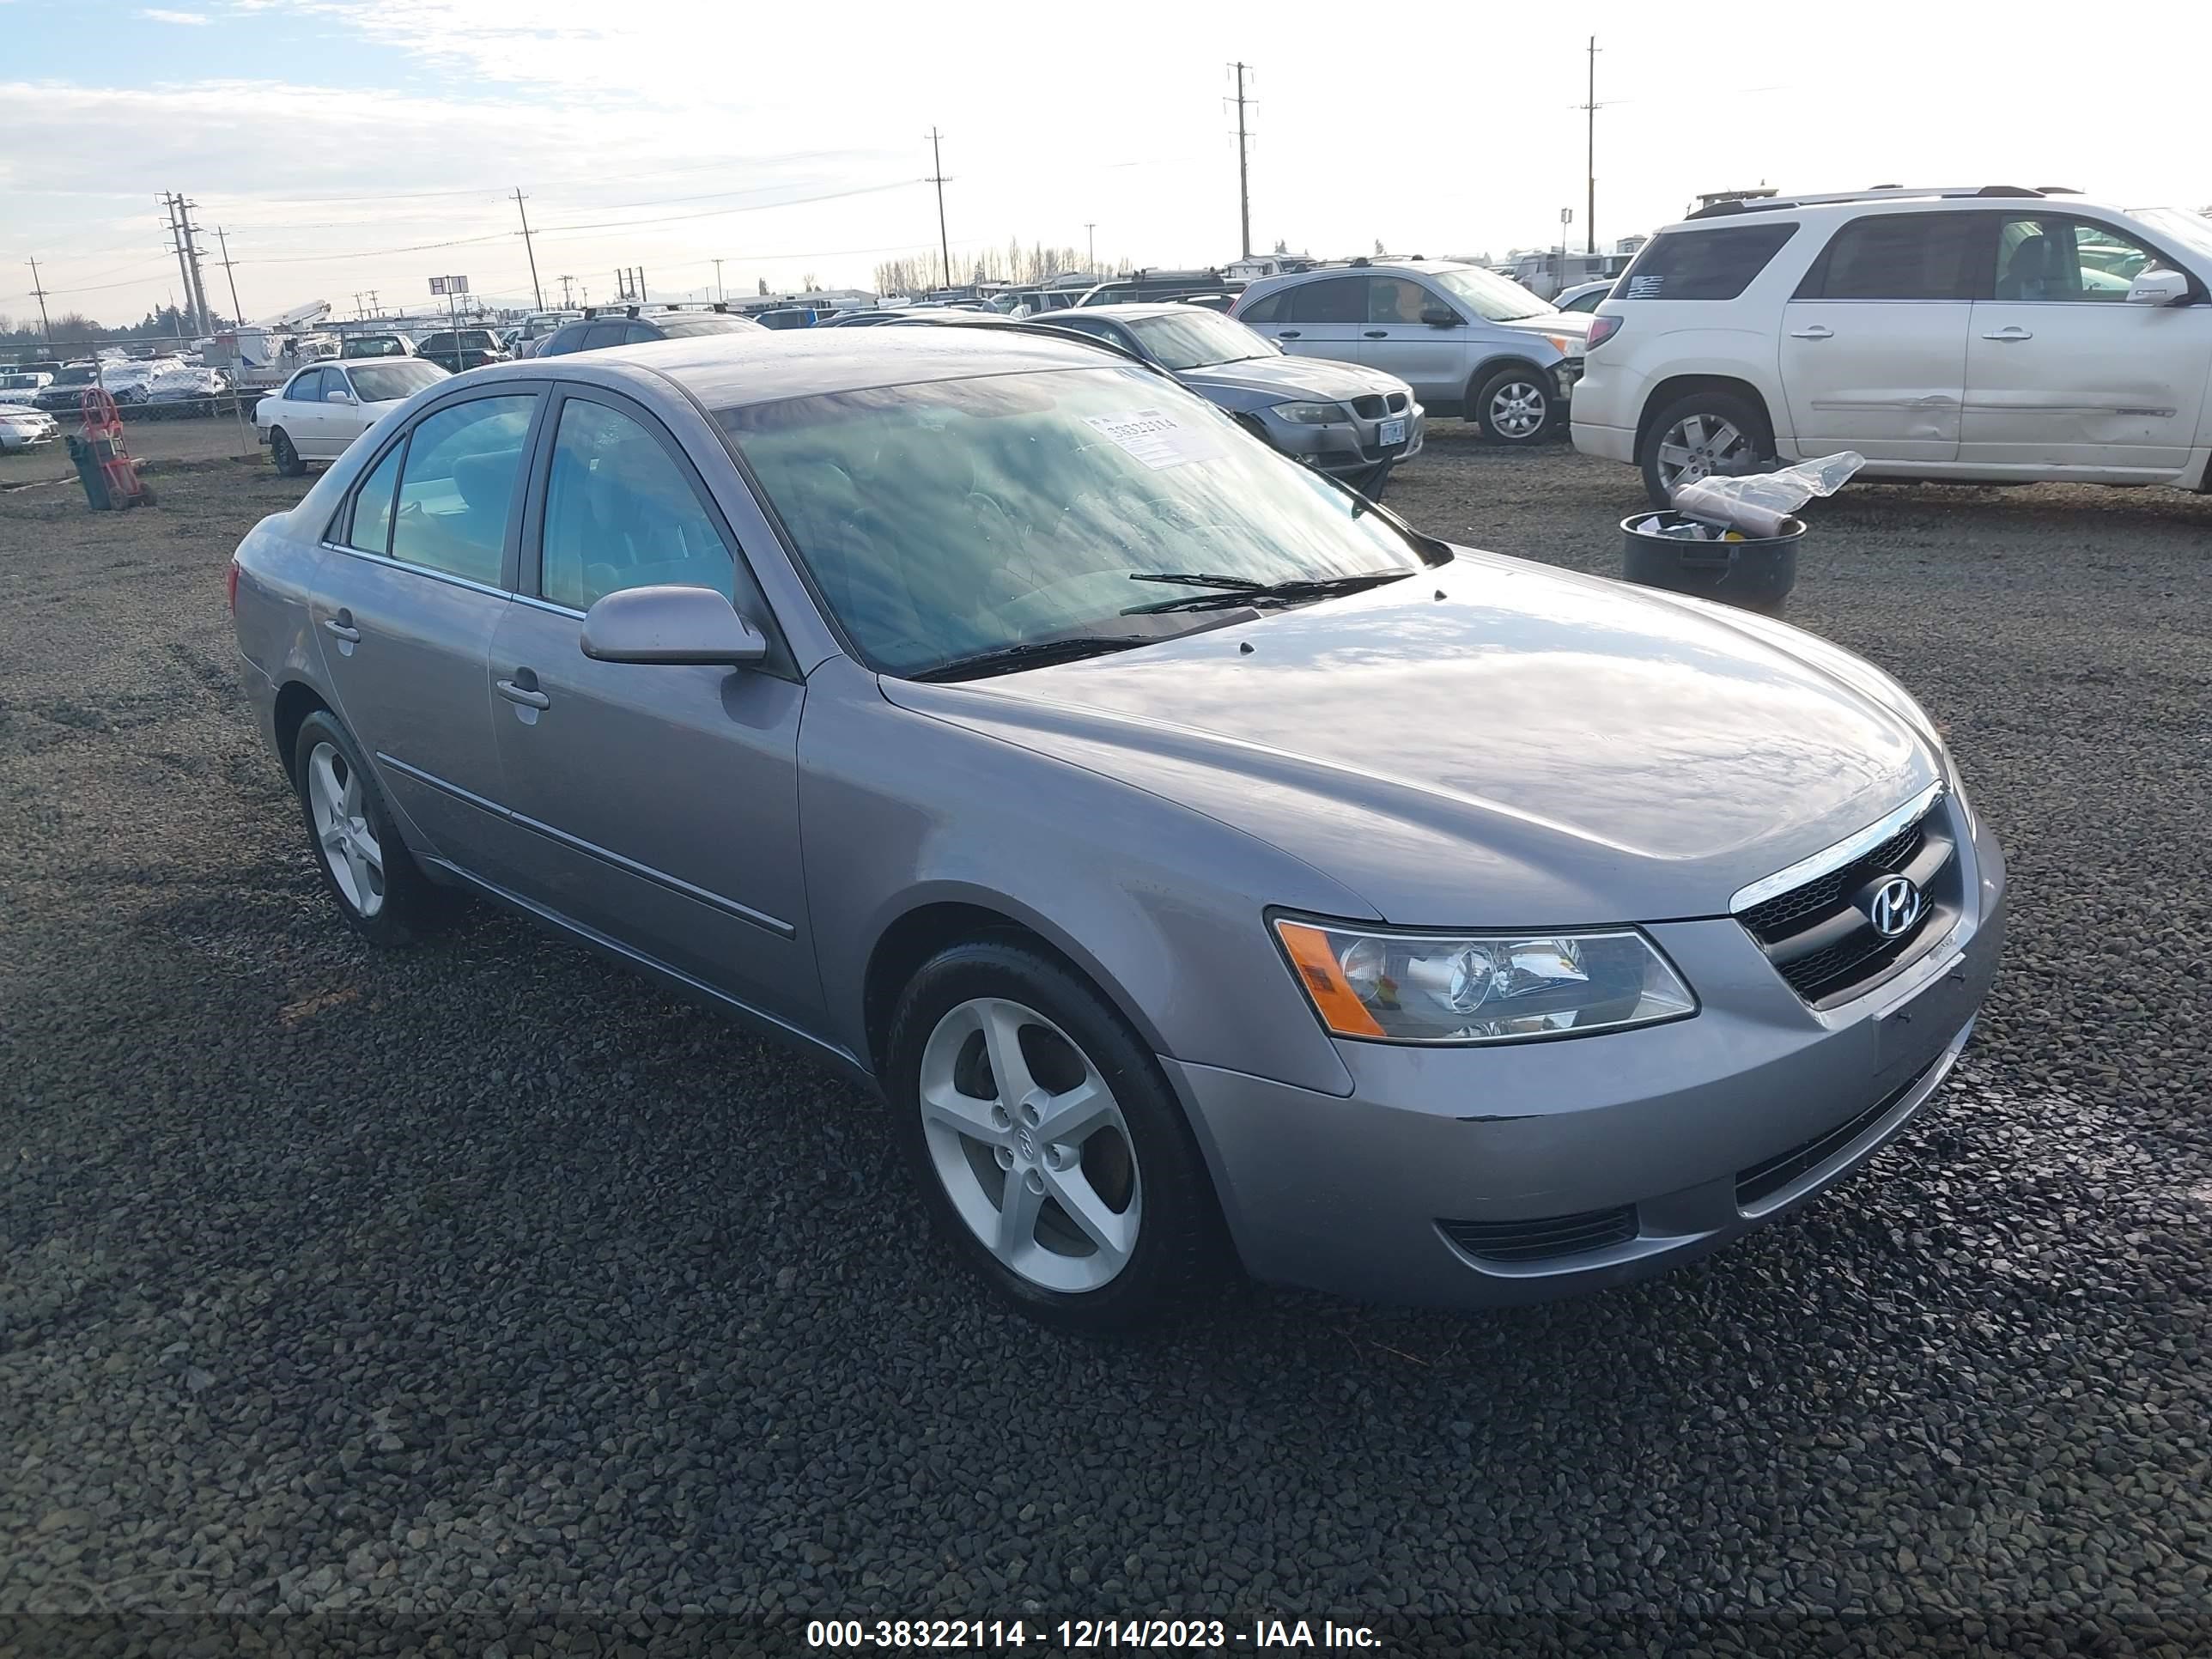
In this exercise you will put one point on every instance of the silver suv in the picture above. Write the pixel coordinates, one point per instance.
(1469, 341)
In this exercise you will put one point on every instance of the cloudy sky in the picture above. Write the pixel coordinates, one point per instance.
(352, 145)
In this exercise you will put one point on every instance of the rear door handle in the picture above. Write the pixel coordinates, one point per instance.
(342, 625)
(528, 695)
(1376, 334)
(1287, 334)
(1816, 332)
(2010, 334)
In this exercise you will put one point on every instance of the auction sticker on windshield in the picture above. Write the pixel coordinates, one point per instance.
(1156, 438)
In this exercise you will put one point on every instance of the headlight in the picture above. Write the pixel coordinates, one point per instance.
(1482, 988)
(1309, 414)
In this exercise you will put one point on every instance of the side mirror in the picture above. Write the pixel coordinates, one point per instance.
(2158, 288)
(669, 625)
(1439, 317)
(337, 396)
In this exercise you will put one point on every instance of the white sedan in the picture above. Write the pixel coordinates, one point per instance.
(325, 406)
(25, 429)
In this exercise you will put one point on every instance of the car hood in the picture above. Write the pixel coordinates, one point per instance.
(1281, 377)
(1492, 742)
(1570, 325)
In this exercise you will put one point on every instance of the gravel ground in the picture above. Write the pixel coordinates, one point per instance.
(484, 1289)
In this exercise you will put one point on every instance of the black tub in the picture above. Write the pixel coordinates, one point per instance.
(1755, 574)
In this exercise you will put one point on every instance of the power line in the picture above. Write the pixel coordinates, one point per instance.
(936, 177)
(527, 248)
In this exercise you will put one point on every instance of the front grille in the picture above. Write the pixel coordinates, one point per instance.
(1543, 1239)
(1761, 1182)
(1397, 402)
(1368, 409)
(1819, 939)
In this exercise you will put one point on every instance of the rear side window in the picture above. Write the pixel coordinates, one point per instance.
(1269, 310)
(1702, 265)
(1336, 299)
(458, 491)
(1899, 256)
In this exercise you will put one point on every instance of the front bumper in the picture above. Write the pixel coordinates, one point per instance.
(1352, 445)
(1453, 1176)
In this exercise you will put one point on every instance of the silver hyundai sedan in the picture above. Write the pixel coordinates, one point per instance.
(1204, 866)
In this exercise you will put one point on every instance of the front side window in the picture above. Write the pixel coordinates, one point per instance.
(1332, 300)
(1697, 263)
(2050, 258)
(1394, 300)
(953, 519)
(458, 490)
(619, 512)
(307, 387)
(1899, 256)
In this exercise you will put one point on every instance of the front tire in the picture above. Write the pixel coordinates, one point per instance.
(1517, 405)
(1700, 435)
(378, 888)
(1049, 1150)
(286, 457)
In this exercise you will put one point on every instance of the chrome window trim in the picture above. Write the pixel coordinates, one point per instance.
(536, 604)
(390, 563)
(1830, 858)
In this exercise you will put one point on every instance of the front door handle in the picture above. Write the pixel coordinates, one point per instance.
(1287, 334)
(342, 625)
(1376, 334)
(1816, 332)
(2010, 333)
(528, 695)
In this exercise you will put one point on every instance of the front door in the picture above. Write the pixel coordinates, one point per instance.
(1430, 358)
(405, 618)
(660, 803)
(306, 418)
(1874, 342)
(2063, 372)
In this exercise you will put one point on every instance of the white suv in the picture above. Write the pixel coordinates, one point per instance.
(1993, 335)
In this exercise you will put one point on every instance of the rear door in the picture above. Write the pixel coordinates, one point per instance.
(660, 803)
(1430, 358)
(1874, 341)
(1323, 319)
(2062, 372)
(421, 555)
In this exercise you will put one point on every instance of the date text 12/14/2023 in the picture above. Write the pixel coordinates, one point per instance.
(1084, 1634)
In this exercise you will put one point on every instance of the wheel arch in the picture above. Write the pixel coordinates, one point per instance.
(1676, 386)
(295, 701)
(1503, 360)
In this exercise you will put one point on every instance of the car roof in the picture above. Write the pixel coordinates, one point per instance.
(732, 371)
(1895, 199)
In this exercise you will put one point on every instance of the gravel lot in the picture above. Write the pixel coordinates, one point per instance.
(484, 1290)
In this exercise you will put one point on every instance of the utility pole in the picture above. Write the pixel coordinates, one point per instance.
(1243, 168)
(205, 324)
(1589, 153)
(640, 284)
(237, 315)
(936, 177)
(538, 292)
(719, 295)
(565, 282)
(1090, 245)
(39, 292)
(174, 205)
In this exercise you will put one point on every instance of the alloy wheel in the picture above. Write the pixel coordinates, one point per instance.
(1517, 410)
(1700, 446)
(1031, 1145)
(343, 830)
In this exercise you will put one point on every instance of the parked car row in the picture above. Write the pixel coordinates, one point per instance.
(23, 428)
(993, 719)
(318, 413)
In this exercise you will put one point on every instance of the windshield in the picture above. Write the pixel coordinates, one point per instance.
(2193, 231)
(1495, 298)
(387, 383)
(951, 518)
(76, 376)
(1200, 338)
(678, 328)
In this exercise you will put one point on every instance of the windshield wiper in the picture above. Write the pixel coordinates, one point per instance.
(1242, 590)
(1032, 654)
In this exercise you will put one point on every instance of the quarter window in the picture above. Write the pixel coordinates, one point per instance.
(371, 505)
(1899, 256)
(619, 512)
(2067, 260)
(457, 491)
(1702, 265)
(1333, 300)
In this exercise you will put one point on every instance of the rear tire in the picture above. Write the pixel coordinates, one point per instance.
(366, 868)
(1135, 1240)
(1699, 436)
(285, 456)
(1517, 406)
